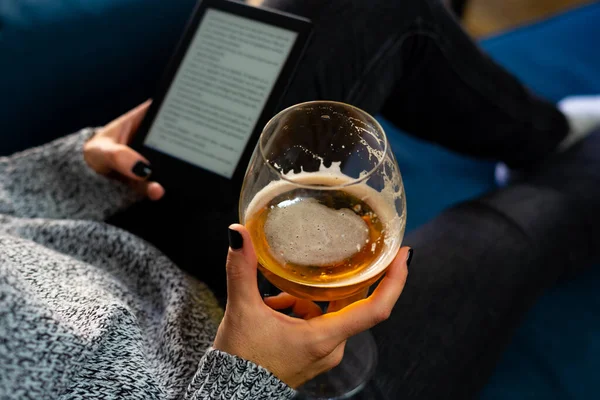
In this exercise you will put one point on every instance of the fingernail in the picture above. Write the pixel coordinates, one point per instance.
(236, 241)
(409, 258)
(141, 169)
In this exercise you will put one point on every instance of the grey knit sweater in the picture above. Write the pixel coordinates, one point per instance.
(88, 310)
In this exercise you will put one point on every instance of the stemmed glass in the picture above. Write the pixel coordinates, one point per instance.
(324, 203)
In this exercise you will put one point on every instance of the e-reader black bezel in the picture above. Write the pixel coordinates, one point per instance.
(179, 175)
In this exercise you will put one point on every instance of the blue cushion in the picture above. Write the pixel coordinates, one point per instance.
(556, 352)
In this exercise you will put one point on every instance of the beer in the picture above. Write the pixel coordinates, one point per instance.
(318, 239)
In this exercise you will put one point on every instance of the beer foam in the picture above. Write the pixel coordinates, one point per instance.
(305, 232)
(328, 177)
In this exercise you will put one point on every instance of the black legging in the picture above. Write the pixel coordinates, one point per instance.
(477, 267)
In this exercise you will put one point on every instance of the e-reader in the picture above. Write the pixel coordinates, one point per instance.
(224, 82)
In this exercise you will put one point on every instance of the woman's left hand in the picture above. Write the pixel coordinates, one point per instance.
(108, 153)
(293, 349)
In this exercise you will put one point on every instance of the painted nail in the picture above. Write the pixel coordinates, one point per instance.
(409, 258)
(141, 169)
(236, 241)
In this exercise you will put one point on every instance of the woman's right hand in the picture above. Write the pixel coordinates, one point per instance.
(294, 349)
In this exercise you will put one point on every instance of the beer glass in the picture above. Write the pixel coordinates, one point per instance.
(324, 203)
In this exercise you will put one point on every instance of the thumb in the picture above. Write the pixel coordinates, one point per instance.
(242, 286)
(135, 117)
(126, 161)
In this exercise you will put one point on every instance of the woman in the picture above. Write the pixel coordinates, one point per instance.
(90, 310)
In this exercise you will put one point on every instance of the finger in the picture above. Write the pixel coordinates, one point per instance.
(123, 128)
(304, 309)
(281, 301)
(337, 305)
(242, 285)
(135, 117)
(153, 190)
(124, 160)
(365, 314)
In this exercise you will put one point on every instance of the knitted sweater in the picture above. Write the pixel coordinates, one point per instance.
(88, 310)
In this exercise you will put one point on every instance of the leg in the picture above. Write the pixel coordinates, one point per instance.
(478, 267)
(411, 59)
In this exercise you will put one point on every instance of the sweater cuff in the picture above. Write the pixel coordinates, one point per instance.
(103, 196)
(224, 376)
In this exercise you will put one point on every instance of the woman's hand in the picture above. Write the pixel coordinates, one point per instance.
(293, 349)
(108, 154)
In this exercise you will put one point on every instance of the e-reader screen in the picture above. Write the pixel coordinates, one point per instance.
(219, 90)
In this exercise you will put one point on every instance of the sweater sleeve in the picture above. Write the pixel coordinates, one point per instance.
(54, 181)
(223, 376)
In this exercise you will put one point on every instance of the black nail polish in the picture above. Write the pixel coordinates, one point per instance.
(409, 258)
(236, 241)
(141, 169)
